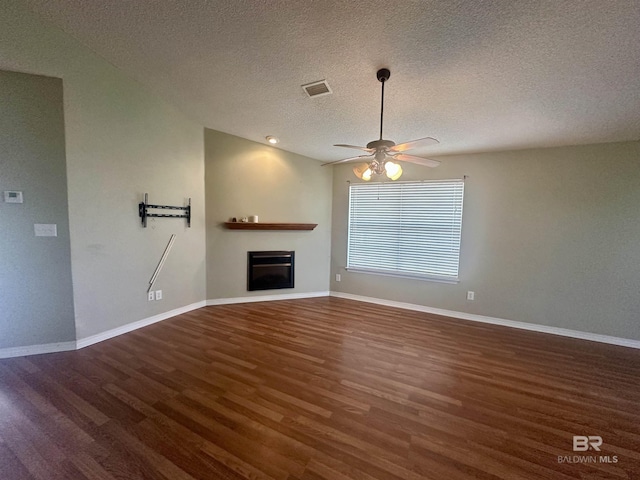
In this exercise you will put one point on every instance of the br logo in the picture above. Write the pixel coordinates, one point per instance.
(582, 443)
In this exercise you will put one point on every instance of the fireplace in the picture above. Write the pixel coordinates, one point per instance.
(270, 270)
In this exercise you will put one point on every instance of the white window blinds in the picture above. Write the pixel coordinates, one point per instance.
(409, 229)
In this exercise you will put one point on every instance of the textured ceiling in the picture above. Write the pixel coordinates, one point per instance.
(477, 75)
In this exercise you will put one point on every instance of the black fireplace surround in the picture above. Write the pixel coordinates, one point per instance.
(269, 270)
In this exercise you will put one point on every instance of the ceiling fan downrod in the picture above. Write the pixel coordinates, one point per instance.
(383, 75)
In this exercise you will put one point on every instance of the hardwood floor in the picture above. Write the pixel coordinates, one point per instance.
(322, 388)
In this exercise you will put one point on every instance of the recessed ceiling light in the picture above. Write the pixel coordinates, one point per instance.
(272, 140)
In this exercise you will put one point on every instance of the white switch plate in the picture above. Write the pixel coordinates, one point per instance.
(151, 296)
(45, 229)
(12, 196)
(158, 294)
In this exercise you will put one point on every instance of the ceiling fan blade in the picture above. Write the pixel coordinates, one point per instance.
(427, 162)
(421, 142)
(354, 146)
(350, 159)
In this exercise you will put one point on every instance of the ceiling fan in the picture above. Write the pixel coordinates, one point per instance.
(381, 154)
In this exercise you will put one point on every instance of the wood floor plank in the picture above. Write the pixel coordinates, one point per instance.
(10, 464)
(321, 389)
(89, 467)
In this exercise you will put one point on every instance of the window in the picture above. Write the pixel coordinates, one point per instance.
(409, 229)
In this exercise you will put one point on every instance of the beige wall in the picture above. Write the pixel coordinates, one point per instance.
(549, 236)
(121, 141)
(36, 296)
(247, 178)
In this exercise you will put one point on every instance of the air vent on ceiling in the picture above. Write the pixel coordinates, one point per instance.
(317, 89)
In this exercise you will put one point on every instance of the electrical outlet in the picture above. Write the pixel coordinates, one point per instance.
(151, 296)
(338, 277)
(158, 294)
(471, 295)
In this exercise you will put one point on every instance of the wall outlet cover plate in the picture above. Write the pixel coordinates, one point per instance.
(12, 196)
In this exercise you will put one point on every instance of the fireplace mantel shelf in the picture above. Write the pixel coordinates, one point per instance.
(269, 226)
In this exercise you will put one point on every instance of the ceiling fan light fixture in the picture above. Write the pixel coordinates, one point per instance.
(272, 140)
(393, 170)
(363, 171)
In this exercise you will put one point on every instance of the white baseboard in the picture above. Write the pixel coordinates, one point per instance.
(85, 342)
(114, 332)
(265, 298)
(564, 332)
(37, 349)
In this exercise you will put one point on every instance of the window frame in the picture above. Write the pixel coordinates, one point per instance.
(458, 185)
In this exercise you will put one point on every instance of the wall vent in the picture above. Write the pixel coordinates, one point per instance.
(317, 89)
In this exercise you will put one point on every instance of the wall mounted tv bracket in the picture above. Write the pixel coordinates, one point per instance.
(144, 207)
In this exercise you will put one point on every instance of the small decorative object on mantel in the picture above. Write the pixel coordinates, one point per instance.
(144, 207)
(269, 226)
(249, 219)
